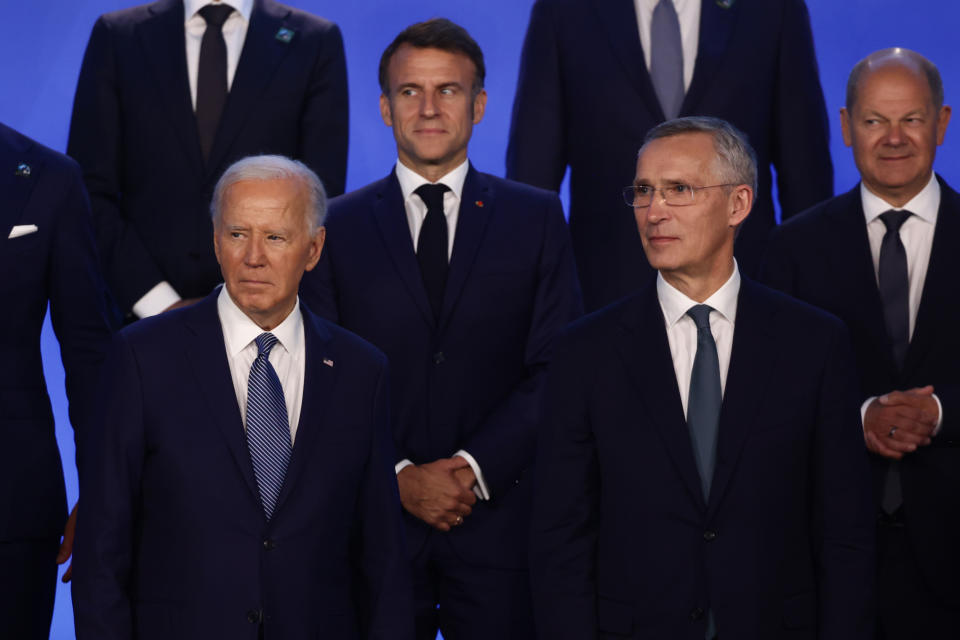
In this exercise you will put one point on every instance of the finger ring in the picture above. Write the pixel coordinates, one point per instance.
(458, 521)
(893, 430)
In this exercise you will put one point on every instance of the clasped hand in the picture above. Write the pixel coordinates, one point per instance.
(898, 422)
(439, 492)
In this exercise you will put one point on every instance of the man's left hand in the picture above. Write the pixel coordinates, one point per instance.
(66, 547)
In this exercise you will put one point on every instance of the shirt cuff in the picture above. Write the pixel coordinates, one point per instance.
(156, 301)
(480, 488)
(400, 466)
(863, 410)
(939, 426)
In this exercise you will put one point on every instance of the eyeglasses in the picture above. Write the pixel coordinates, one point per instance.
(675, 195)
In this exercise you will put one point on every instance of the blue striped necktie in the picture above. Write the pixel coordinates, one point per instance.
(268, 428)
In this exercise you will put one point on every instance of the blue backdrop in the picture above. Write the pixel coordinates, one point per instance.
(42, 44)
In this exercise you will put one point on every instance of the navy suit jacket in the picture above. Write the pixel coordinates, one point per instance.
(585, 100)
(823, 257)
(134, 132)
(57, 264)
(472, 381)
(172, 541)
(624, 544)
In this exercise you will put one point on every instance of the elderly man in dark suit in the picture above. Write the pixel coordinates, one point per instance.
(463, 279)
(240, 479)
(593, 82)
(48, 256)
(170, 94)
(885, 257)
(700, 471)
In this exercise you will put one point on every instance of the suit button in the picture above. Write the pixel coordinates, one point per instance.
(696, 614)
(253, 616)
(269, 544)
(709, 536)
(438, 357)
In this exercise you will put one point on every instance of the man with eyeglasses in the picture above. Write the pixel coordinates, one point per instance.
(700, 471)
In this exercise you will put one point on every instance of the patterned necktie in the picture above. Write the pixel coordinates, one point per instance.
(211, 75)
(706, 397)
(268, 427)
(666, 58)
(432, 244)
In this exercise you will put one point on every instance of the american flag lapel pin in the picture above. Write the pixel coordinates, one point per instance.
(328, 362)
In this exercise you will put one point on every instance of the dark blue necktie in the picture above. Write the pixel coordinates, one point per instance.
(666, 58)
(268, 427)
(432, 251)
(705, 398)
(211, 75)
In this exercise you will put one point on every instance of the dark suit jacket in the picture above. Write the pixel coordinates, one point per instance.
(135, 134)
(823, 257)
(172, 541)
(473, 380)
(585, 100)
(623, 543)
(56, 264)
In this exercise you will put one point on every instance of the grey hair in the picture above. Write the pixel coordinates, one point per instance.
(905, 57)
(272, 167)
(737, 160)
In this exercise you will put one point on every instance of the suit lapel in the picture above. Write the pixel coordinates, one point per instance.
(477, 205)
(261, 54)
(390, 216)
(164, 47)
(16, 184)
(318, 381)
(752, 357)
(716, 27)
(646, 356)
(208, 359)
(619, 20)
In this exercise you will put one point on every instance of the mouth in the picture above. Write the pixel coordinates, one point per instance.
(659, 241)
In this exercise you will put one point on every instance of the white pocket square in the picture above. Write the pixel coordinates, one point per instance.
(21, 230)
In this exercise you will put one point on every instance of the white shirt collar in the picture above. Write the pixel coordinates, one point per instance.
(190, 7)
(239, 330)
(410, 179)
(675, 304)
(924, 205)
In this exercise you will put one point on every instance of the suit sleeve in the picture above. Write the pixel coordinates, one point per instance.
(536, 151)
(565, 518)
(318, 288)
(504, 445)
(324, 125)
(109, 482)
(78, 299)
(96, 143)
(843, 516)
(801, 144)
(389, 606)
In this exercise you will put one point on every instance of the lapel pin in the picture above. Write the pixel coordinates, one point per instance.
(479, 203)
(284, 35)
(725, 4)
(328, 362)
(23, 170)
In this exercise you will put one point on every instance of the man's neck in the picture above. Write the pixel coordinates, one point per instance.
(699, 287)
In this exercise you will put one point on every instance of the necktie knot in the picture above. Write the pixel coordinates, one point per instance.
(265, 342)
(893, 220)
(701, 316)
(215, 14)
(432, 195)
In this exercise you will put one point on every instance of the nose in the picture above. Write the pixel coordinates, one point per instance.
(658, 208)
(428, 105)
(254, 254)
(894, 135)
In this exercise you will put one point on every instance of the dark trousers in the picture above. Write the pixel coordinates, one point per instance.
(907, 609)
(28, 582)
(466, 602)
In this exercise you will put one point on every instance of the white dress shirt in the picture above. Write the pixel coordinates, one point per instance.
(416, 210)
(682, 330)
(287, 356)
(688, 14)
(916, 234)
(162, 295)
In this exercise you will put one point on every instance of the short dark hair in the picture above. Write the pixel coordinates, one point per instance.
(436, 33)
(905, 57)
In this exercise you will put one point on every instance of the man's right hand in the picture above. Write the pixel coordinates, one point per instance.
(900, 421)
(432, 492)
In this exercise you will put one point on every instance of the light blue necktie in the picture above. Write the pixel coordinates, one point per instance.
(268, 427)
(666, 58)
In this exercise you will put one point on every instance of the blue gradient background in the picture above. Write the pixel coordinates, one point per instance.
(42, 45)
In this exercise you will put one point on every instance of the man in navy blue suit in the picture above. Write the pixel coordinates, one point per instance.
(169, 95)
(597, 75)
(884, 257)
(463, 279)
(700, 471)
(240, 478)
(48, 256)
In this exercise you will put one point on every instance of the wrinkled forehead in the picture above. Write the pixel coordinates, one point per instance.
(687, 157)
